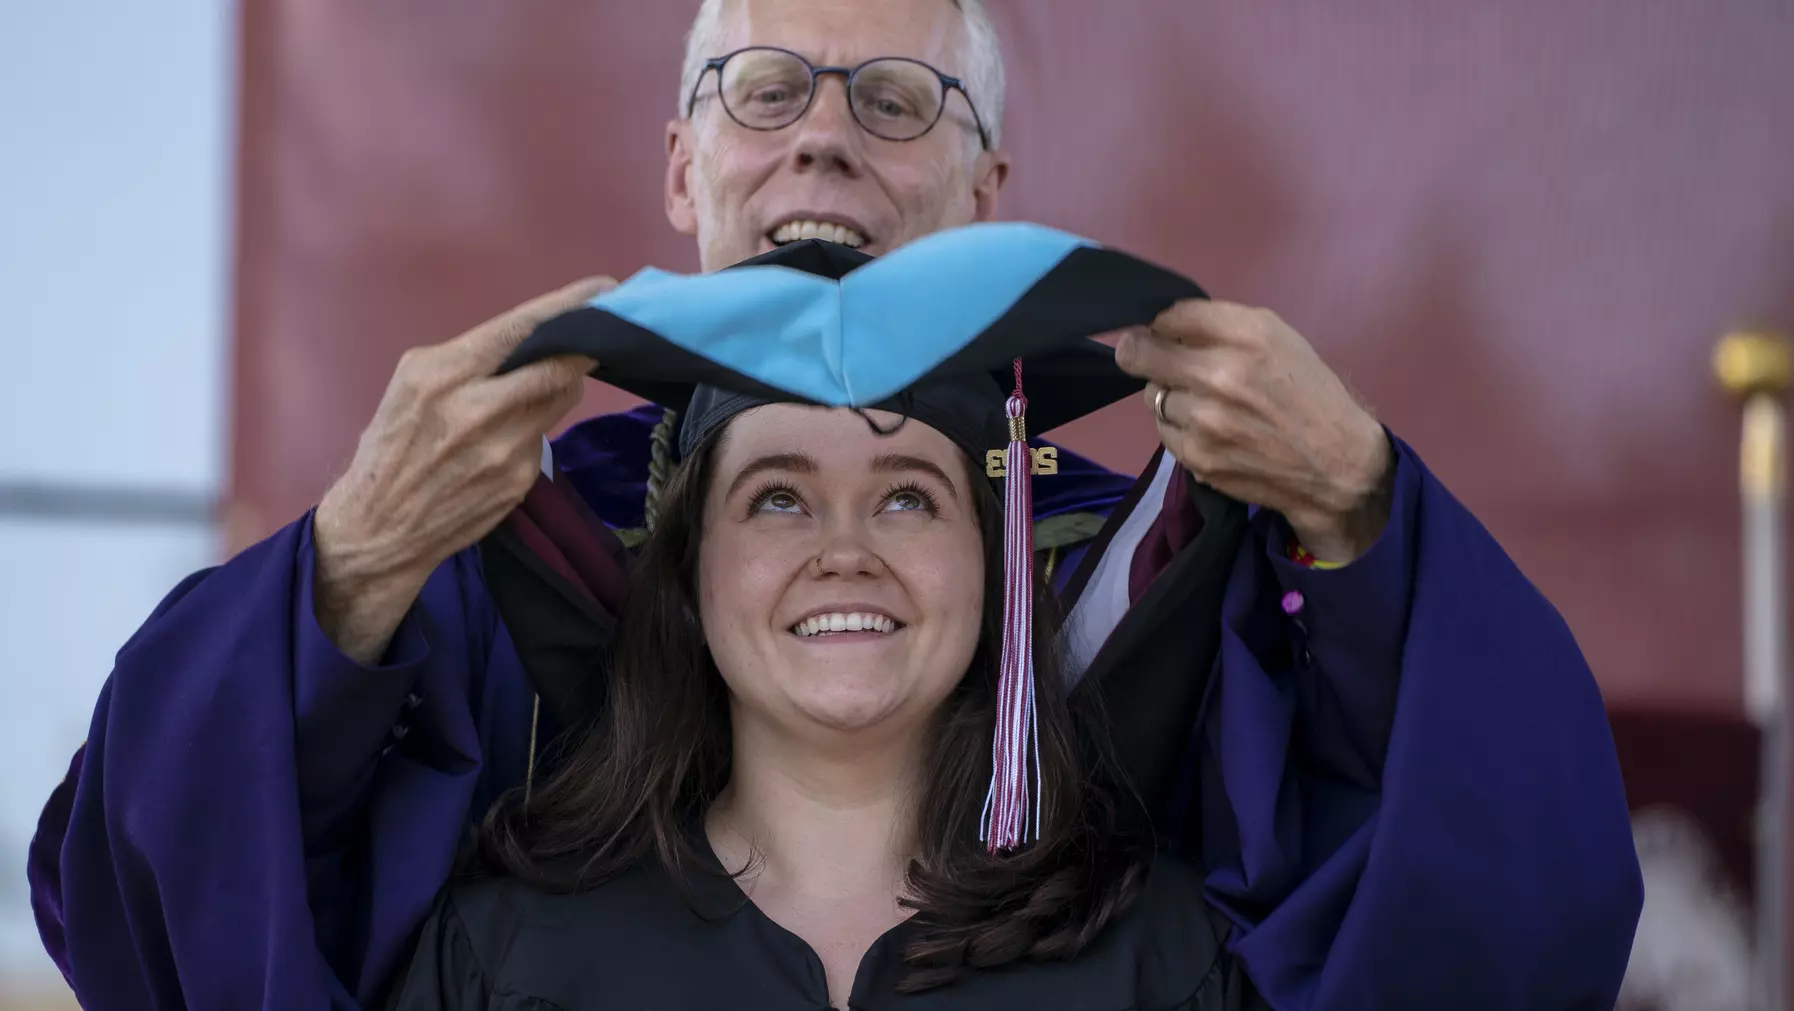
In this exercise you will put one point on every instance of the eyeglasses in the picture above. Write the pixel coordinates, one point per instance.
(766, 88)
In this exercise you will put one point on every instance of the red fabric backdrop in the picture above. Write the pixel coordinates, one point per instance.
(1517, 228)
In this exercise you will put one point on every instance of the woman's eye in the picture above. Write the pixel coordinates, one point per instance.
(780, 502)
(909, 501)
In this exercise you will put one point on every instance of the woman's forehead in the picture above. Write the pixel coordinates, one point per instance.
(835, 438)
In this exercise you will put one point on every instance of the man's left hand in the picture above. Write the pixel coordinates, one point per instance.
(1250, 409)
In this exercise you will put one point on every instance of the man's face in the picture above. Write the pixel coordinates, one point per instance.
(734, 188)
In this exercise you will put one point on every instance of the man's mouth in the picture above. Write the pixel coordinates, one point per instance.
(840, 622)
(809, 228)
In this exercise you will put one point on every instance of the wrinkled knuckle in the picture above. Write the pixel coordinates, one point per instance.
(522, 473)
(423, 373)
(1210, 417)
(412, 361)
(511, 330)
(492, 458)
(1227, 380)
(418, 366)
(566, 379)
(407, 378)
(454, 423)
(460, 417)
(1190, 369)
(546, 381)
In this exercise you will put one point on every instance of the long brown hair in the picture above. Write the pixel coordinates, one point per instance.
(631, 786)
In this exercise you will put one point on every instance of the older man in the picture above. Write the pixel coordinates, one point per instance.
(1402, 782)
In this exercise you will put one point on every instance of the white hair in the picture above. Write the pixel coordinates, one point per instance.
(983, 74)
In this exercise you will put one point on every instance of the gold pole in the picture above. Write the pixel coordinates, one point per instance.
(1754, 366)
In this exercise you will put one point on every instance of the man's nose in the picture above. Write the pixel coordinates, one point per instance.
(828, 137)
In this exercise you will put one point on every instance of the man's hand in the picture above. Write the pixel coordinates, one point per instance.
(1250, 409)
(451, 451)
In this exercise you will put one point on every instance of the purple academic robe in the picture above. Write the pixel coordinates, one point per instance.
(1402, 780)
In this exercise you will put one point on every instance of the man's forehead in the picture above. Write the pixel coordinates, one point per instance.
(844, 32)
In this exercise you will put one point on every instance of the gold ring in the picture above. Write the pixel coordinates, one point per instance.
(1158, 405)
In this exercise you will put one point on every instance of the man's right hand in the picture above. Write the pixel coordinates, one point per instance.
(452, 450)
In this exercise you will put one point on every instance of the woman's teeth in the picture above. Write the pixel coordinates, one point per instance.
(795, 231)
(821, 623)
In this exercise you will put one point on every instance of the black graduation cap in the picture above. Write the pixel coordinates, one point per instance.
(978, 332)
(930, 331)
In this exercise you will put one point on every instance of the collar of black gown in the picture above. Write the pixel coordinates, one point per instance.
(633, 942)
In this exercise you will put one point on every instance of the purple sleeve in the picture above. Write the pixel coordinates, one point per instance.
(256, 822)
(1410, 795)
(1344, 633)
(344, 713)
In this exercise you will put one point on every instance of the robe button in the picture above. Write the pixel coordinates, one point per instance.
(1292, 602)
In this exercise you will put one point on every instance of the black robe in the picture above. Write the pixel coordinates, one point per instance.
(640, 942)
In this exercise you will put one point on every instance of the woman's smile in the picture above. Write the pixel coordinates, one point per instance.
(845, 625)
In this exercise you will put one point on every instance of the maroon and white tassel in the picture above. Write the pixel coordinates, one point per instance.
(1008, 807)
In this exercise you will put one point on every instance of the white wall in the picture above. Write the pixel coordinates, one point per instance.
(115, 166)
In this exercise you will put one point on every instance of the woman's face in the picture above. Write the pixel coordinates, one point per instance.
(841, 572)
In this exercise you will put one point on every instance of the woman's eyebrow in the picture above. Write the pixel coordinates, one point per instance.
(892, 463)
(796, 463)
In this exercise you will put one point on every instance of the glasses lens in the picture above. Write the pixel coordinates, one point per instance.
(765, 89)
(897, 99)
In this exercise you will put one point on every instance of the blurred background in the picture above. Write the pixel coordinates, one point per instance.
(116, 174)
(1517, 229)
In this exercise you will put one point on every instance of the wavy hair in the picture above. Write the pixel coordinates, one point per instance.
(630, 787)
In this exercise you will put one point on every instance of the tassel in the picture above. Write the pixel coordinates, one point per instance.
(1016, 744)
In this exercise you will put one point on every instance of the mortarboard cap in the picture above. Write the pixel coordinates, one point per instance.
(942, 331)
(930, 330)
